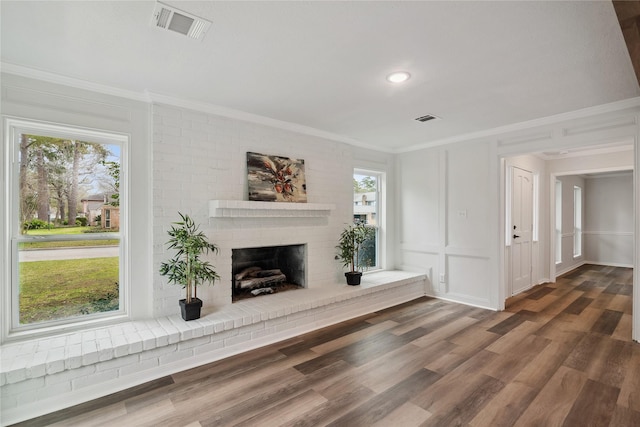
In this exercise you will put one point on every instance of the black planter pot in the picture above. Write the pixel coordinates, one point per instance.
(353, 277)
(190, 311)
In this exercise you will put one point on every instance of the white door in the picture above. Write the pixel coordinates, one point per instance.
(522, 230)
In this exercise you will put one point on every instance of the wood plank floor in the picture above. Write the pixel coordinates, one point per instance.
(560, 355)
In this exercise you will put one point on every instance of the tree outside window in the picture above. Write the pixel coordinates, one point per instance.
(68, 263)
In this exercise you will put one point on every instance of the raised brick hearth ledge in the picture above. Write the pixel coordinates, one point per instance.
(85, 364)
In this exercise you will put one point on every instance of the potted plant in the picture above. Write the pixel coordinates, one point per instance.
(351, 240)
(186, 268)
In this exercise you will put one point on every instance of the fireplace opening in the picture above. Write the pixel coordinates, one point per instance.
(267, 270)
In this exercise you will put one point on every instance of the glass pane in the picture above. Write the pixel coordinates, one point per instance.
(66, 266)
(365, 211)
(61, 279)
(367, 255)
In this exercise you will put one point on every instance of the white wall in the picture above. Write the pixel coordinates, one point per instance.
(608, 235)
(445, 199)
(200, 157)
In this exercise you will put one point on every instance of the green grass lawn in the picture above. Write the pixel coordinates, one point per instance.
(56, 231)
(52, 290)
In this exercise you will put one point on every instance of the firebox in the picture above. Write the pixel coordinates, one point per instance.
(267, 270)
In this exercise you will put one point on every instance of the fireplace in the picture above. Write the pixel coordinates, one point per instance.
(267, 270)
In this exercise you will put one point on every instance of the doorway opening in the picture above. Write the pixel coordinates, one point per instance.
(553, 251)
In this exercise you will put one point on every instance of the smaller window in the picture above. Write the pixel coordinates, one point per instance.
(558, 221)
(577, 221)
(366, 193)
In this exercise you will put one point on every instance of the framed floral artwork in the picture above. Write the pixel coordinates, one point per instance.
(276, 179)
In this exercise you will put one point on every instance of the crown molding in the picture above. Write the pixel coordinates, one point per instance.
(151, 97)
(49, 77)
(231, 113)
(530, 124)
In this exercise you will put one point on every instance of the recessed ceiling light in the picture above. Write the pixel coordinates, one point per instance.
(398, 77)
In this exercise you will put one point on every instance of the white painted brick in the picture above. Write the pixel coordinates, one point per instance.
(237, 340)
(53, 390)
(105, 348)
(23, 386)
(121, 346)
(138, 367)
(206, 348)
(157, 352)
(175, 356)
(90, 353)
(94, 379)
(118, 362)
(148, 339)
(262, 333)
(9, 402)
(55, 360)
(196, 342)
(69, 375)
(25, 398)
(135, 342)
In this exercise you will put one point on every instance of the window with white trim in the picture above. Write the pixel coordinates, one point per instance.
(367, 195)
(577, 221)
(66, 224)
(558, 231)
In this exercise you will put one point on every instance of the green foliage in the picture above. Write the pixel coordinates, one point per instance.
(352, 238)
(186, 268)
(113, 169)
(109, 301)
(37, 224)
(365, 185)
(81, 221)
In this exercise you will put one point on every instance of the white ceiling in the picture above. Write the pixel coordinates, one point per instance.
(477, 65)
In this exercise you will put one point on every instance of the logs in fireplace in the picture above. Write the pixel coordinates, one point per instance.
(267, 270)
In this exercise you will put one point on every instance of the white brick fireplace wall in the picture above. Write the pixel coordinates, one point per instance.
(201, 157)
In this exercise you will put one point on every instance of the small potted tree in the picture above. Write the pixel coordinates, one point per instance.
(186, 268)
(351, 241)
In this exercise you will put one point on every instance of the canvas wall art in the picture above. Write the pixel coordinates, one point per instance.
(276, 179)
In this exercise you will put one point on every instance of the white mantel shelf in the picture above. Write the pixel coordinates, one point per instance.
(250, 209)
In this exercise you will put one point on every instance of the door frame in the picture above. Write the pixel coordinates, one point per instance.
(504, 272)
(509, 225)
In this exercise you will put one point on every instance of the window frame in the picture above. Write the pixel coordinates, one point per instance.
(379, 214)
(13, 128)
(558, 221)
(577, 221)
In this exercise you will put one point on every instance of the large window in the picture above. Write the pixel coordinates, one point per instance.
(577, 221)
(65, 223)
(366, 209)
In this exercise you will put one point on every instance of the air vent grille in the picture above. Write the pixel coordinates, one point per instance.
(169, 18)
(426, 118)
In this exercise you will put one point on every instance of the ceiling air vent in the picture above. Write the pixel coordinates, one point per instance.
(170, 18)
(426, 118)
